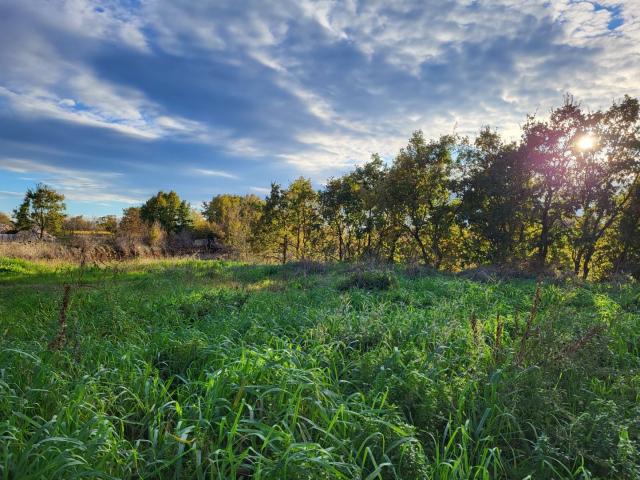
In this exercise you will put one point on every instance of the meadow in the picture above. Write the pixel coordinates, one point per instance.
(222, 370)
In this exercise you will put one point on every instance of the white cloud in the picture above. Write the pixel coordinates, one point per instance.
(8, 193)
(93, 19)
(437, 65)
(408, 36)
(75, 184)
(213, 173)
(262, 190)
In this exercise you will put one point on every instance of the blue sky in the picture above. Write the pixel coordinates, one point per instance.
(111, 101)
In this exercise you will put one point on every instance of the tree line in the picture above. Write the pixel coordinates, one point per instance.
(566, 196)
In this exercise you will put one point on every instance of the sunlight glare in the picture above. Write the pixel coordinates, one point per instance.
(586, 142)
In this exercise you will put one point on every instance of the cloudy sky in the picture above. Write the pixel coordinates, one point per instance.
(111, 101)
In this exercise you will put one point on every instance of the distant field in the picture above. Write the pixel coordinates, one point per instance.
(203, 369)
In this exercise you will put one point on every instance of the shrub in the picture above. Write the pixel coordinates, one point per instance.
(368, 280)
(157, 236)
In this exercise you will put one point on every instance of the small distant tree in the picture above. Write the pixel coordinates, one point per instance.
(77, 223)
(43, 208)
(199, 225)
(131, 226)
(108, 223)
(333, 200)
(22, 219)
(171, 212)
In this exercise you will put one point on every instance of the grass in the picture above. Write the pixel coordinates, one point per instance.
(207, 369)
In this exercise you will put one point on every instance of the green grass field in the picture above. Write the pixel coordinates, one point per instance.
(208, 369)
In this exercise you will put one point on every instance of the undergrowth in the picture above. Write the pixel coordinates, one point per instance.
(196, 369)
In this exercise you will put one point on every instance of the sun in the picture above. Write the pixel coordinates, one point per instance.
(586, 142)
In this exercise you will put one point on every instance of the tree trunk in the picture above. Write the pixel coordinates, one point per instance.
(437, 252)
(587, 262)
(423, 248)
(543, 246)
(618, 265)
(285, 245)
(576, 262)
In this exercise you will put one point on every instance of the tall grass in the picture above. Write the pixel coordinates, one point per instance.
(197, 369)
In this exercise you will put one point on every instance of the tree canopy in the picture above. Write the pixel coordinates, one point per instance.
(169, 210)
(43, 208)
(564, 196)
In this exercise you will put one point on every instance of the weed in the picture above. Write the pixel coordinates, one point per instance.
(368, 280)
(203, 369)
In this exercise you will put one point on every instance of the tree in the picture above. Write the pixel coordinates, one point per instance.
(627, 238)
(495, 193)
(108, 223)
(77, 223)
(172, 213)
(200, 226)
(131, 222)
(289, 220)
(332, 201)
(22, 217)
(273, 226)
(602, 176)
(365, 210)
(302, 201)
(233, 218)
(420, 189)
(548, 147)
(42, 208)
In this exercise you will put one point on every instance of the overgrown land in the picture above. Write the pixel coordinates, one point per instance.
(210, 369)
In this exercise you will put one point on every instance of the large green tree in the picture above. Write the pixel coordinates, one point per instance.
(420, 188)
(234, 218)
(169, 210)
(352, 208)
(607, 163)
(304, 219)
(495, 197)
(272, 231)
(548, 146)
(42, 208)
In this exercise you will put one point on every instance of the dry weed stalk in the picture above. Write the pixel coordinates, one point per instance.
(61, 336)
(497, 344)
(473, 320)
(579, 343)
(529, 324)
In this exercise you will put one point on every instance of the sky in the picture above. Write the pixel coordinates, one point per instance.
(111, 101)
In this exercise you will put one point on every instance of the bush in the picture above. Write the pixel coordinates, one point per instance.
(368, 280)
